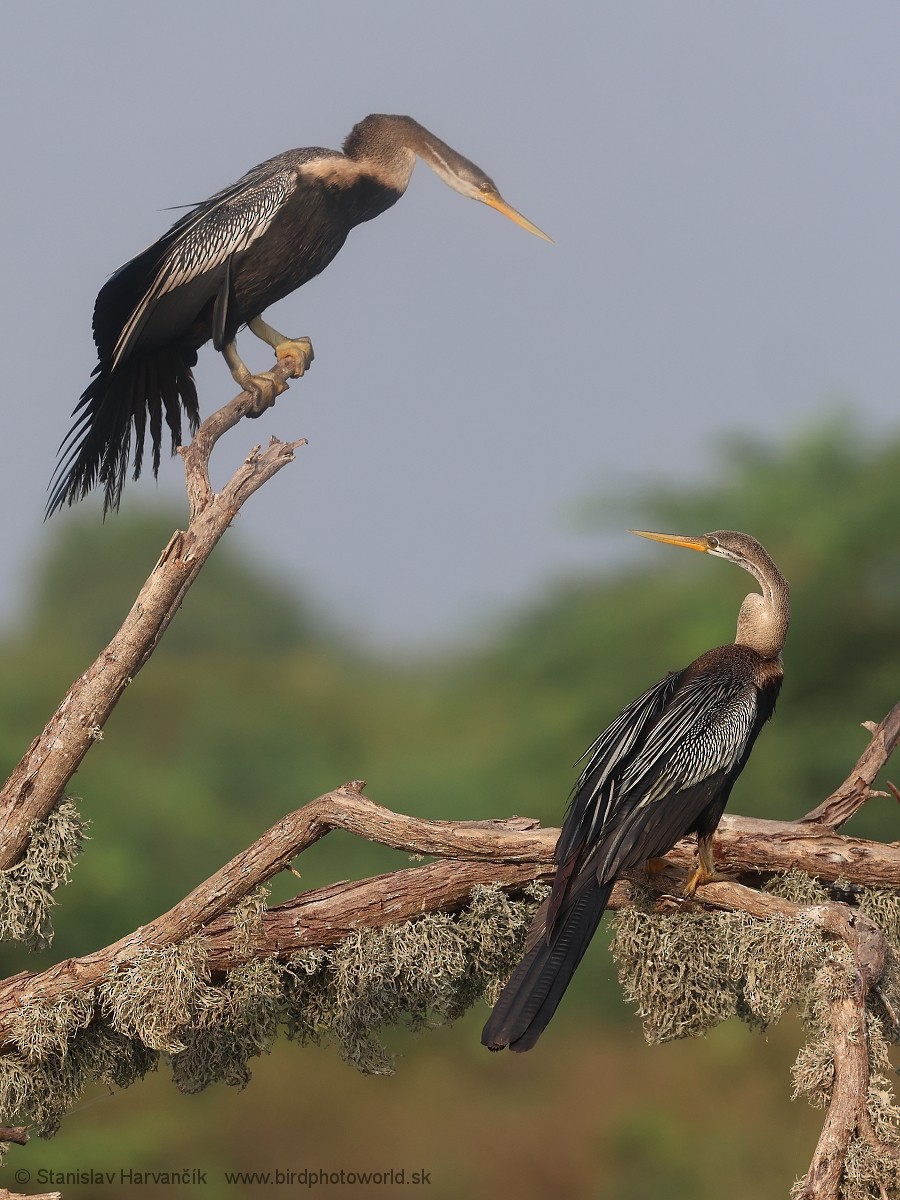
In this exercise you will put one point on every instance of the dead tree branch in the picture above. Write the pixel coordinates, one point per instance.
(512, 852)
(856, 789)
(54, 756)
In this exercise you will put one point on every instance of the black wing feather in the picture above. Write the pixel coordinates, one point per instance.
(662, 769)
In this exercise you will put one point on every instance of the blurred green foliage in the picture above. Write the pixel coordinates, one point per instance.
(253, 705)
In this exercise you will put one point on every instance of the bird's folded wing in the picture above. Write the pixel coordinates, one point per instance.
(206, 238)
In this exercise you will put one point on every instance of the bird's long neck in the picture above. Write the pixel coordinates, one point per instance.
(388, 145)
(763, 620)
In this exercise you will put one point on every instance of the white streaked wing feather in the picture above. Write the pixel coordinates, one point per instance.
(227, 224)
(689, 737)
(605, 754)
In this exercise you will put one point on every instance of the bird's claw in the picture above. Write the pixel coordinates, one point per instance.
(300, 353)
(655, 866)
(702, 876)
(263, 388)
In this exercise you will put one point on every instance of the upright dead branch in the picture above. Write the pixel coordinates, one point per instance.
(856, 789)
(37, 783)
(847, 1110)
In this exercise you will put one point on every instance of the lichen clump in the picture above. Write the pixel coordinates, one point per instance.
(166, 1004)
(425, 972)
(26, 889)
(688, 970)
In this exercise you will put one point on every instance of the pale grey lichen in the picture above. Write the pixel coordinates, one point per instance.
(165, 1003)
(688, 970)
(158, 994)
(26, 889)
(424, 972)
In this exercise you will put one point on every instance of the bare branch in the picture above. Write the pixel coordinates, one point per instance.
(510, 852)
(840, 806)
(55, 755)
(847, 1112)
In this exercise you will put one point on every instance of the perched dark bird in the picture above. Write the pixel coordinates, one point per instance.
(216, 270)
(663, 769)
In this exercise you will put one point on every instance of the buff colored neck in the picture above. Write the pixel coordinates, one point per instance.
(763, 620)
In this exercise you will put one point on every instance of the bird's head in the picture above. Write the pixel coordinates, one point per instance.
(469, 180)
(738, 548)
(763, 620)
(391, 141)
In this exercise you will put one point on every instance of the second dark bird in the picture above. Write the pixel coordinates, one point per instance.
(216, 270)
(663, 769)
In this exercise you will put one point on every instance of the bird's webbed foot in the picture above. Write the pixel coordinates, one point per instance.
(654, 867)
(705, 871)
(298, 351)
(263, 388)
(700, 876)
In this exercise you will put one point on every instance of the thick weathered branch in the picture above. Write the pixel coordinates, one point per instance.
(55, 755)
(847, 1112)
(327, 915)
(513, 852)
(840, 806)
(510, 852)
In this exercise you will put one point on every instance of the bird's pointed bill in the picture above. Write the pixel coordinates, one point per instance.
(501, 206)
(676, 539)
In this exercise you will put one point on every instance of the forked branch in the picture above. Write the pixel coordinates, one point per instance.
(512, 852)
(856, 789)
(54, 756)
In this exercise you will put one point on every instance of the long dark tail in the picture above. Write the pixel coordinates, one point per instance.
(97, 449)
(536, 987)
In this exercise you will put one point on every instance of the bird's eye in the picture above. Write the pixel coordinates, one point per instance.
(485, 188)
(712, 542)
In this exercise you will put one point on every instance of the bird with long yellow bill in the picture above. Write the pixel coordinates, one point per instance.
(216, 270)
(662, 770)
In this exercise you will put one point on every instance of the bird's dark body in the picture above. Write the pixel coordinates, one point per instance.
(216, 270)
(151, 374)
(662, 770)
(303, 237)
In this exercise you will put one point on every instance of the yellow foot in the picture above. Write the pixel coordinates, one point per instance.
(263, 388)
(702, 875)
(655, 866)
(299, 351)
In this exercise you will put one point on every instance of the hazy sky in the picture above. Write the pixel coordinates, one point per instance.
(722, 180)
